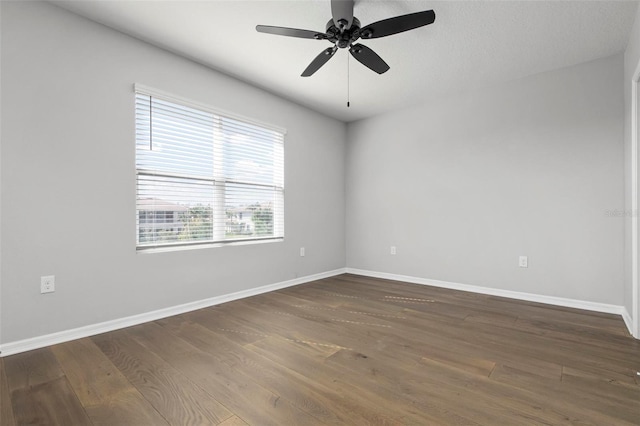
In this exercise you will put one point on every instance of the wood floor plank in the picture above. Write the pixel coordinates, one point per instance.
(522, 407)
(106, 394)
(48, 403)
(31, 368)
(175, 397)
(306, 394)
(237, 358)
(435, 394)
(459, 360)
(234, 421)
(435, 382)
(6, 411)
(592, 407)
(541, 347)
(577, 335)
(376, 403)
(626, 393)
(322, 334)
(225, 322)
(238, 392)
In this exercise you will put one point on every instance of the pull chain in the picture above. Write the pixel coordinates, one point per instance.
(348, 79)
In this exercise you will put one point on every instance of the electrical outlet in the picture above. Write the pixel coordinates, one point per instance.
(301, 251)
(47, 284)
(523, 262)
(393, 250)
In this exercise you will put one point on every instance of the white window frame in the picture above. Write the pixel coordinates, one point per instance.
(219, 193)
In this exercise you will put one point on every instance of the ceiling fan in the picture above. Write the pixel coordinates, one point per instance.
(343, 30)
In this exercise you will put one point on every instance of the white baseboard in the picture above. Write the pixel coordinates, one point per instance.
(530, 297)
(19, 346)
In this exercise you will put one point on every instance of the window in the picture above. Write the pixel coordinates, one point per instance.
(204, 177)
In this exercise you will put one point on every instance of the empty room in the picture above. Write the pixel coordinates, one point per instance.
(351, 212)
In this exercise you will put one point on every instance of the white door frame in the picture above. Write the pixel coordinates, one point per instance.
(635, 294)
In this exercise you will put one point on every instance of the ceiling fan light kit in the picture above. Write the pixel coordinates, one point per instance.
(343, 30)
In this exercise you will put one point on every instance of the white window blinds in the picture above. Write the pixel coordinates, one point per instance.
(203, 177)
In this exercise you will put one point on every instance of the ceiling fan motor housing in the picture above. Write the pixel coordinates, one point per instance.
(343, 38)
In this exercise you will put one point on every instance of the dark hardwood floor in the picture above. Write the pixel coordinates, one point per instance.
(344, 350)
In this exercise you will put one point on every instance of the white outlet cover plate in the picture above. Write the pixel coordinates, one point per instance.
(48, 284)
(523, 262)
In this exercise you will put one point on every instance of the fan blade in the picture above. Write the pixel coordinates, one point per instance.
(319, 61)
(368, 58)
(290, 32)
(342, 10)
(399, 24)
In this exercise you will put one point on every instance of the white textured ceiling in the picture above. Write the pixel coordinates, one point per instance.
(472, 44)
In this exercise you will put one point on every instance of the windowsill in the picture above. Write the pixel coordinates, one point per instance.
(143, 250)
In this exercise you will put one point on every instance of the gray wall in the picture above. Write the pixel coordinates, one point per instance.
(68, 181)
(631, 59)
(465, 184)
